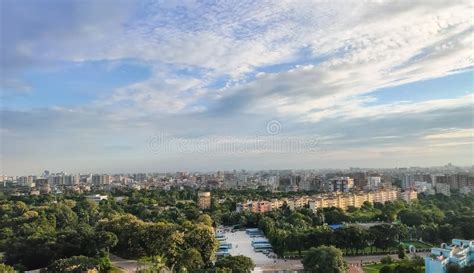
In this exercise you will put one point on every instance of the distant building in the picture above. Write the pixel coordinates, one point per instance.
(409, 195)
(254, 206)
(42, 185)
(97, 197)
(373, 182)
(342, 184)
(423, 187)
(460, 252)
(465, 190)
(337, 199)
(100, 179)
(443, 189)
(204, 200)
(407, 181)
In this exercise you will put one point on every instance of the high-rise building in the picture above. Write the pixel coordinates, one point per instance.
(100, 179)
(373, 182)
(204, 200)
(342, 184)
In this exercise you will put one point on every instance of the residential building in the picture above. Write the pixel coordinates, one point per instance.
(460, 252)
(443, 189)
(97, 197)
(409, 195)
(337, 199)
(204, 200)
(373, 182)
(100, 179)
(342, 184)
(254, 206)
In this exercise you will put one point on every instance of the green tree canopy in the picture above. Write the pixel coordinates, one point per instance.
(237, 264)
(324, 259)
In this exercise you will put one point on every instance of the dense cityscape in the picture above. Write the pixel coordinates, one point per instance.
(236, 136)
(267, 220)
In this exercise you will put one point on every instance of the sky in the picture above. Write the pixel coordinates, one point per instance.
(129, 86)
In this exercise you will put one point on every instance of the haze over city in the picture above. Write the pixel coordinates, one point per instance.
(125, 86)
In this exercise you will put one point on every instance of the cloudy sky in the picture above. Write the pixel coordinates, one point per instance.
(121, 86)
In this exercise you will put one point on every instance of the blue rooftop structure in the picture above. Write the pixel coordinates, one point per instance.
(460, 252)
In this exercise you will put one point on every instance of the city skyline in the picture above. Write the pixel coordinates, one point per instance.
(234, 85)
(434, 169)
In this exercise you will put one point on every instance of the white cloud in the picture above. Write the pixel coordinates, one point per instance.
(452, 134)
(312, 65)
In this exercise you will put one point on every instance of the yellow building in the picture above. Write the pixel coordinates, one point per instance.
(204, 200)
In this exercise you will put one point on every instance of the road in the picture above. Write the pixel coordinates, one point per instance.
(271, 265)
(127, 266)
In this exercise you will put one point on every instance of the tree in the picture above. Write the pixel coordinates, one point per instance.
(205, 219)
(190, 260)
(411, 218)
(151, 264)
(237, 264)
(105, 240)
(202, 238)
(385, 236)
(386, 269)
(453, 268)
(386, 260)
(324, 259)
(75, 264)
(7, 269)
(401, 252)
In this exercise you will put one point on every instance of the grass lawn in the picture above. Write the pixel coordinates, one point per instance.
(373, 268)
(418, 244)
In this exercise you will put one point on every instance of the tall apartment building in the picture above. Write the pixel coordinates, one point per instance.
(204, 200)
(26, 181)
(342, 184)
(100, 179)
(373, 182)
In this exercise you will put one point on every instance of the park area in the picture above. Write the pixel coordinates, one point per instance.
(242, 245)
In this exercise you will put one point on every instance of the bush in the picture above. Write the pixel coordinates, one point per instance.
(386, 269)
(75, 264)
(386, 260)
(6, 268)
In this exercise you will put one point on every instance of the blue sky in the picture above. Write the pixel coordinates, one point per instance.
(198, 85)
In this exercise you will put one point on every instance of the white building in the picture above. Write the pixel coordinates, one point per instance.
(443, 189)
(423, 187)
(339, 184)
(100, 179)
(373, 182)
(97, 197)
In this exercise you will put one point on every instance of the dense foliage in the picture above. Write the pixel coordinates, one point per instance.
(40, 230)
(237, 264)
(324, 259)
(432, 219)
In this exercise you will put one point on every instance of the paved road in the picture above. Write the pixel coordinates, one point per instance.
(130, 266)
(127, 266)
(353, 261)
(355, 268)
